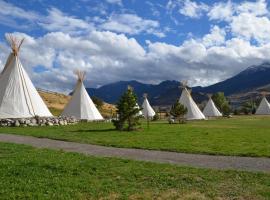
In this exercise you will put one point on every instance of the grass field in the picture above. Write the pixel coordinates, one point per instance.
(29, 173)
(246, 136)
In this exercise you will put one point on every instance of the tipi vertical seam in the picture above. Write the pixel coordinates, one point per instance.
(24, 83)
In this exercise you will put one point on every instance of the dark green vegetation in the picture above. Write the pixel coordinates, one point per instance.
(178, 111)
(247, 136)
(127, 111)
(222, 103)
(28, 173)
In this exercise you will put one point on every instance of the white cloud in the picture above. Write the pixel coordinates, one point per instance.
(118, 2)
(58, 21)
(247, 20)
(131, 24)
(10, 10)
(222, 11)
(109, 57)
(216, 37)
(192, 9)
(258, 7)
(249, 26)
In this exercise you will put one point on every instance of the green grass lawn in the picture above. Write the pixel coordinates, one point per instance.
(246, 136)
(29, 173)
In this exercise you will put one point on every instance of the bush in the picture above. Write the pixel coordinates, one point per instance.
(156, 117)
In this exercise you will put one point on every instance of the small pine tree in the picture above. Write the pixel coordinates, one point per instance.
(128, 112)
(249, 107)
(222, 103)
(178, 111)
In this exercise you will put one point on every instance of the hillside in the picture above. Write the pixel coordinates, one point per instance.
(57, 101)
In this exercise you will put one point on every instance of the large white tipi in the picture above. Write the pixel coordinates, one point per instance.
(81, 105)
(211, 110)
(147, 111)
(18, 96)
(264, 107)
(194, 113)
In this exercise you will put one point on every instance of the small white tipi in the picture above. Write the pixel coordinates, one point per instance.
(147, 111)
(211, 110)
(194, 113)
(264, 107)
(18, 96)
(81, 105)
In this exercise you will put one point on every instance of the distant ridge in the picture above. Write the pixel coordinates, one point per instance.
(254, 78)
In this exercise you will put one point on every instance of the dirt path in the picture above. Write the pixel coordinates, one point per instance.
(184, 159)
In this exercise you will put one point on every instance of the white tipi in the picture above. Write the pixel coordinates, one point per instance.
(81, 105)
(18, 96)
(264, 107)
(140, 112)
(211, 110)
(147, 111)
(194, 113)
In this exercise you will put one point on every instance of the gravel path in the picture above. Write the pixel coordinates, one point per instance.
(184, 159)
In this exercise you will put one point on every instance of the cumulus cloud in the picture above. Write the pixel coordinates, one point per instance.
(109, 57)
(57, 20)
(222, 11)
(216, 37)
(247, 20)
(187, 8)
(131, 24)
(106, 50)
(192, 9)
(249, 26)
(118, 2)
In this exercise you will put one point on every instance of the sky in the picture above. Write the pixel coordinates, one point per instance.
(150, 41)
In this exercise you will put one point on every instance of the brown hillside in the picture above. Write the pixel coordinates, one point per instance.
(57, 101)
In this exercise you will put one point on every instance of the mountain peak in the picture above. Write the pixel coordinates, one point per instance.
(261, 67)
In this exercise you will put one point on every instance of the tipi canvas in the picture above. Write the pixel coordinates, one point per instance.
(264, 108)
(81, 105)
(147, 111)
(194, 112)
(211, 110)
(140, 112)
(18, 96)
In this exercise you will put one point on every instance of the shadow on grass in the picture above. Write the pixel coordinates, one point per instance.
(95, 131)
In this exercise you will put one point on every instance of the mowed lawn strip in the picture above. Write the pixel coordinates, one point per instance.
(29, 173)
(241, 136)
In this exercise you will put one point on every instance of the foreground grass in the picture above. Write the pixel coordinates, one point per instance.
(245, 136)
(29, 173)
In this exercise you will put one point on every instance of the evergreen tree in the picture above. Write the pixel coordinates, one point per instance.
(249, 107)
(222, 103)
(128, 112)
(178, 111)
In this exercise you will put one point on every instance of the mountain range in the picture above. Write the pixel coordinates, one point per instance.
(243, 86)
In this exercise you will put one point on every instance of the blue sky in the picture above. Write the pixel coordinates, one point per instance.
(149, 41)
